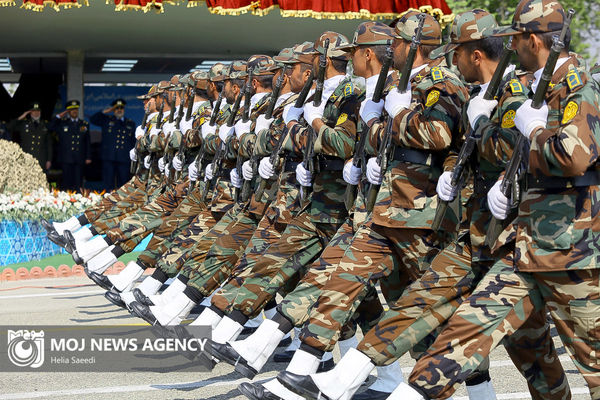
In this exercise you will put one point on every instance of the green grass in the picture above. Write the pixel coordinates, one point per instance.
(60, 259)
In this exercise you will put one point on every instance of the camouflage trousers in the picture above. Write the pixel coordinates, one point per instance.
(131, 202)
(509, 303)
(429, 302)
(285, 260)
(112, 198)
(223, 255)
(166, 234)
(135, 227)
(180, 249)
(194, 241)
(375, 253)
(268, 232)
(297, 304)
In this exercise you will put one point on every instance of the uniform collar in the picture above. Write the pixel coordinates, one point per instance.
(331, 84)
(483, 87)
(256, 98)
(537, 75)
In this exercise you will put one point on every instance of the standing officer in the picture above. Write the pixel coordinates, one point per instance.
(32, 133)
(118, 137)
(73, 145)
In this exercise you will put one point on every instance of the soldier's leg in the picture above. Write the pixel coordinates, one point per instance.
(499, 305)
(573, 299)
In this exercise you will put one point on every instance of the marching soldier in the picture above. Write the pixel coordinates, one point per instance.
(118, 137)
(32, 133)
(73, 145)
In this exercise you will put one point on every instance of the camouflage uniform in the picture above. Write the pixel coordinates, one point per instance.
(310, 231)
(396, 239)
(548, 268)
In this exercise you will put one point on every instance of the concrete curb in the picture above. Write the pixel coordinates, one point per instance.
(63, 271)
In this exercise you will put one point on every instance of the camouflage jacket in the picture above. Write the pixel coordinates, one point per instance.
(496, 138)
(335, 139)
(432, 123)
(558, 228)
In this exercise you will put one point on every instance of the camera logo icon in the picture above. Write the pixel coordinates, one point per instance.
(26, 348)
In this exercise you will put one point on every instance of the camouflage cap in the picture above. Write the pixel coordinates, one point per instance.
(218, 72)
(151, 92)
(469, 26)
(407, 25)
(260, 64)
(336, 40)
(364, 36)
(178, 82)
(201, 79)
(186, 79)
(534, 16)
(304, 52)
(237, 70)
(285, 56)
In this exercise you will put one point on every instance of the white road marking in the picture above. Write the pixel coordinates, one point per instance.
(55, 294)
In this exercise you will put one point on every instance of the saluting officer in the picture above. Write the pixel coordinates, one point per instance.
(73, 145)
(31, 132)
(118, 137)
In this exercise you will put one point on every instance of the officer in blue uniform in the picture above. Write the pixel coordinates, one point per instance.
(118, 137)
(73, 145)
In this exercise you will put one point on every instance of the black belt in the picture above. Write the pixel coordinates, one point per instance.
(290, 166)
(415, 156)
(331, 164)
(589, 178)
(482, 186)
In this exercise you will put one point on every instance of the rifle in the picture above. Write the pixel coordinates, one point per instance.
(188, 113)
(385, 145)
(466, 150)
(172, 105)
(133, 165)
(219, 154)
(254, 158)
(215, 112)
(309, 150)
(509, 186)
(245, 118)
(274, 158)
(161, 112)
(190, 106)
(359, 148)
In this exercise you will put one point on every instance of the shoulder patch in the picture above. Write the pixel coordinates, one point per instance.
(348, 89)
(341, 119)
(515, 86)
(436, 74)
(570, 112)
(432, 98)
(201, 120)
(508, 119)
(573, 79)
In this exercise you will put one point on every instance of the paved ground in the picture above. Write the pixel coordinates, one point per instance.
(75, 301)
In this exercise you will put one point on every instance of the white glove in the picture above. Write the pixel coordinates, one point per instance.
(351, 173)
(236, 181)
(479, 107)
(154, 131)
(208, 172)
(186, 125)
(147, 162)
(247, 171)
(444, 188)
(528, 118)
(303, 176)
(265, 168)
(133, 155)
(374, 172)
(207, 129)
(242, 127)
(311, 112)
(168, 128)
(498, 203)
(139, 132)
(225, 132)
(396, 101)
(161, 164)
(177, 163)
(369, 110)
(193, 172)
(262, 123)
(291, 113)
